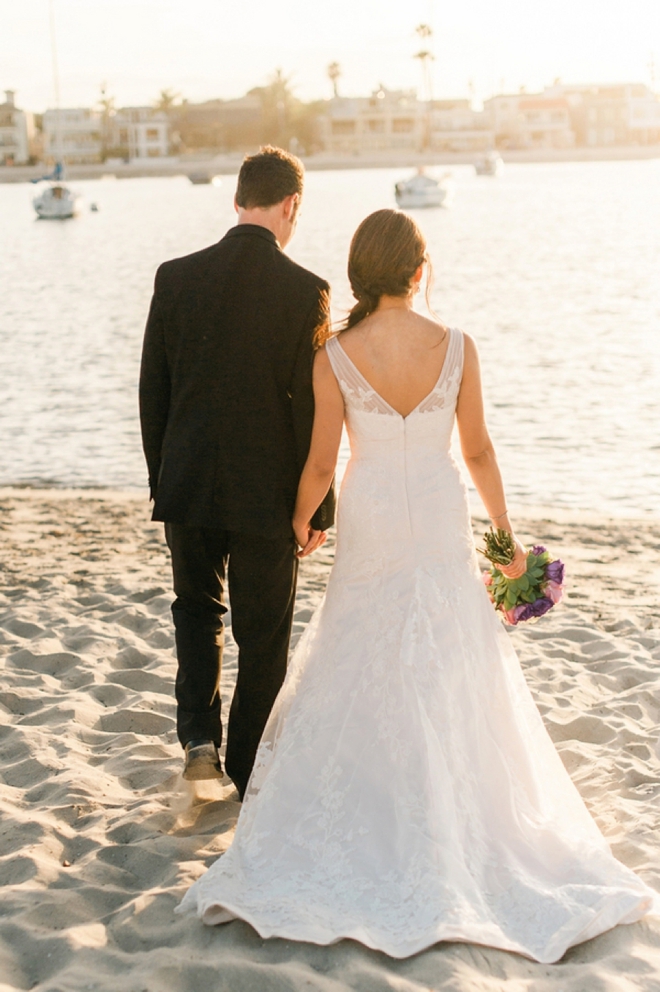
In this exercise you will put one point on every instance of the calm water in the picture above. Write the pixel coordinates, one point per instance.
(553, 268)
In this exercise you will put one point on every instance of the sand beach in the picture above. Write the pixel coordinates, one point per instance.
(100, 836)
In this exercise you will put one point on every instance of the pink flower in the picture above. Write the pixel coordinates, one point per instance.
(487, 578)
(512, 616)
(553, 590)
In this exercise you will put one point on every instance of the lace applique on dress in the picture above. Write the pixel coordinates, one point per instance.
(361, 395)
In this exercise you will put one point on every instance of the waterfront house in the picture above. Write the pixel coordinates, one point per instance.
(607, 114)
(73, 135)
(456, 127)
(138, 133)
(16, 132)
(530, 120)
(387, 120)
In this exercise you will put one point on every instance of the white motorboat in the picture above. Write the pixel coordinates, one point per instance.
(424, 191)
(204, 177)
(56, 201)
(490, 165)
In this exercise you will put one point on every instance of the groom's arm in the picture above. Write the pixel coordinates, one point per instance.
(154, 391)
(302, 398)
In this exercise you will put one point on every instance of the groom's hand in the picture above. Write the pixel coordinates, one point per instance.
(308, 539)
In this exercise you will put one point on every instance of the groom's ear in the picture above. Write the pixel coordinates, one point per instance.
(236, 207)
(291, 206)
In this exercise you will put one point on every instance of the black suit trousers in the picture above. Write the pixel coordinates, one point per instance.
(260, 573)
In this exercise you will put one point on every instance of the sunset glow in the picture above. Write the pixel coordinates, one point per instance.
(210, 48)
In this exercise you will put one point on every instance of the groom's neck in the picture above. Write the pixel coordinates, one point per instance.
(275, 219)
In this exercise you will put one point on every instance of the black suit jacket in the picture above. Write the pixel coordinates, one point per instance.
(226, 400)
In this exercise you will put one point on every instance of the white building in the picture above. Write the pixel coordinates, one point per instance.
(644, 116)
(393, 120)
(387, 120)
(612, 113)
(140, 132)
(73, 135)
(524, 120)
(456, 127)
(16, 132)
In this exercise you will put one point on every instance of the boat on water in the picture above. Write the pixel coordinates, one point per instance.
(56, 201)
(490, 165)
(424, 191)
(203, 177)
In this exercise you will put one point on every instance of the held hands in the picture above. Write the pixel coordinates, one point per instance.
(308, 539)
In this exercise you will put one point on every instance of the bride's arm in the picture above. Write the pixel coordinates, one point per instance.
(479, 453)
(322, 459)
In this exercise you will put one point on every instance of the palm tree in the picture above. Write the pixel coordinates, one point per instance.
(167, 100)
(277, 104)
(426, 57)
(106, 104)
(334, 72)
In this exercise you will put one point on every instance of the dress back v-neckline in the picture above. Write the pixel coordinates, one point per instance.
(444, 370)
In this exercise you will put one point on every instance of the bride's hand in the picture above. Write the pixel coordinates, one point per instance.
(308, 538)
(518, 566)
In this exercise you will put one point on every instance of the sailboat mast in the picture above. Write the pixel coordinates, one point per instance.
(56, 82)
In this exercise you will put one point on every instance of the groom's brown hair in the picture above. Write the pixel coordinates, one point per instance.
(268, 178)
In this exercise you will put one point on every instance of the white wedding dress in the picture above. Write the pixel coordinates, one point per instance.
(405, 790)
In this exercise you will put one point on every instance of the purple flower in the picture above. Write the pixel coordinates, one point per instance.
(535, 609)
(554, 571)
(538, 549)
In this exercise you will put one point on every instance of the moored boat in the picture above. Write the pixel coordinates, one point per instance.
(56, 201)
(202, 177)
(424, 191)
(490, 165)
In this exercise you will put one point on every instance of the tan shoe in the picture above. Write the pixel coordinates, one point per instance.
(202, 761)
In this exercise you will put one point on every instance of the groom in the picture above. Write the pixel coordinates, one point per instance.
(226, 409)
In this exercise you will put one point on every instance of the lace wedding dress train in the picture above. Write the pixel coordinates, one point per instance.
(405, 790)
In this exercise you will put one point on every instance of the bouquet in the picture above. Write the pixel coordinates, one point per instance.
(529, 596)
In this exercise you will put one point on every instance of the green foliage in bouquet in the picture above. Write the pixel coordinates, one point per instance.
(500, 549)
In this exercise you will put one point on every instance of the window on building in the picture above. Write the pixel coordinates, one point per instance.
(152, 134)
(376, 126)
(403, 125)
(343, 127)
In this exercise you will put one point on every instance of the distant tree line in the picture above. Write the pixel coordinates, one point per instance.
(266, 114)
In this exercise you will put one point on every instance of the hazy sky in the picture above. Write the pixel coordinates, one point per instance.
(209, 48)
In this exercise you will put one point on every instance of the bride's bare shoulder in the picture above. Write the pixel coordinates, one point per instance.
(470, 347)
(350, 333)
(431, 326)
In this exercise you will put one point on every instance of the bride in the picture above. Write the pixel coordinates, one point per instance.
(405, 789)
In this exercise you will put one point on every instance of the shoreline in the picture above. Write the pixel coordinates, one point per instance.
(229, 164)
(101, 836)
(613, 562)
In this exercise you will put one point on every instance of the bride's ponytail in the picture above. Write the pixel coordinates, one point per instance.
(367, 301)
(386, 251)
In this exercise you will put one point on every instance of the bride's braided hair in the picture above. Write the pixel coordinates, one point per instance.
(386, 251)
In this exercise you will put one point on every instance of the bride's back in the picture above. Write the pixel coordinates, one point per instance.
(400, 353)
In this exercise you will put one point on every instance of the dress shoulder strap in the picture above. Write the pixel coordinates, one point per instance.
(455, 354)
(342, 366)
(354, 387)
